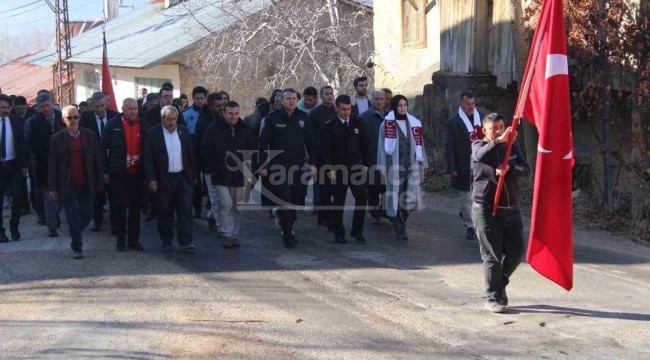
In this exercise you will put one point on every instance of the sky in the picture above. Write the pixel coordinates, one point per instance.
(21, 16)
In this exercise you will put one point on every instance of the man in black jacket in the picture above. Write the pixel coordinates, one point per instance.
(96, 121)
(38, 130)
(171, 174)
(227, 145)
(372, 120)
(283, 142)
(501, 238)
(24, 112)
(124, 140)
(460, 130)
(12, 165)
(318, 117)
(344, 161)
(212, 112)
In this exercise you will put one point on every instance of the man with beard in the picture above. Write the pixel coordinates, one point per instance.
(192, 116)
(360, 102)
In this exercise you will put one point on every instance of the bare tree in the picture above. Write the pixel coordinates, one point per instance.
(283, 42)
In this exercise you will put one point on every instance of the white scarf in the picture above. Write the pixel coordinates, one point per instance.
(390, 134)
(471, 128)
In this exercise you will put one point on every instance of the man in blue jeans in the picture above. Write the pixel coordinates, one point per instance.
(75, 173)
(501, 237)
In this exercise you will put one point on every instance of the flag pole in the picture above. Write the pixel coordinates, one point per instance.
(521, 102)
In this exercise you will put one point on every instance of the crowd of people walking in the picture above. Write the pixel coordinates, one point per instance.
(169, 158)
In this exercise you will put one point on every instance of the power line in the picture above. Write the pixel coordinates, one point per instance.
(20, 7)
(14, 44)
(48, 17)
(28, 10)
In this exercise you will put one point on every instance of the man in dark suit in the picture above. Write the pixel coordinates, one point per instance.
(24, 112)
(171, 174)
(318, 117)
(38, 130)
(372, 120)
(12, 165)
(75, 173)
(96, 121)
(460, 130)
(124, 139)
(344, 160)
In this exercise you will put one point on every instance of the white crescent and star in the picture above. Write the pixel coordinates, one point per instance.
(556, 64)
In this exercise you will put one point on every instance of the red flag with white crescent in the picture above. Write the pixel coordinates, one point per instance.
(107, 84)
(544, 100)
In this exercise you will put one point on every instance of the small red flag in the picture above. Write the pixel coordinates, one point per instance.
(107, 84)
(544, 100)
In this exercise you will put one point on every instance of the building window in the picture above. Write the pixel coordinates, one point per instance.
(153, 85)
(414, 29)
(93, 82)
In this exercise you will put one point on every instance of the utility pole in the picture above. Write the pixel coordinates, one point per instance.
(62, 75)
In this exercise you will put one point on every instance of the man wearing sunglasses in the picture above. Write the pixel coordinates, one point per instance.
(75, 174)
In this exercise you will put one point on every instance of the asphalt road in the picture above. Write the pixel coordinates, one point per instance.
(321, 300)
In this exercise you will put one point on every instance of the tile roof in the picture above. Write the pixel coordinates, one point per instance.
(18, 77)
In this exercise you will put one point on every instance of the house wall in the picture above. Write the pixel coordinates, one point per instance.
(404, 70)
(124, 80)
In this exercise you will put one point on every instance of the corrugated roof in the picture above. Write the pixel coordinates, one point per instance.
(20, 78)
(150, 34)
(147, 35)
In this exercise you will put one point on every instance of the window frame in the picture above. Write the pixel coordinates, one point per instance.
(423, 14)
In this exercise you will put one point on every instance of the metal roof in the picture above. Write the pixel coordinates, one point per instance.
(20, 78)
(146, 36)
(150, 34)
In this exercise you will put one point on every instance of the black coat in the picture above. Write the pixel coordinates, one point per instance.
(205, 120)
(458, 149)
(318, 117)
(38, 142)
(345, 145)
(17, 124)
(372, 122)
(156, 160)
(114, 142)
(218, 143)
(60, 170)
(287, 134)
(29, 113)
(89, 120)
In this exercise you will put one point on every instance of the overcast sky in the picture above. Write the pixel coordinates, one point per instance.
(21, 16)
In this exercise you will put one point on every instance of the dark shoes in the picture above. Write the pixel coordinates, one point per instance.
(52, 233)
(188, 247)
(15, 234)
(136, 246)
(212, 225)
(340, 239)
(289, 239)
(231, 243)
(3, 238)
(120, 244)
(359, 238)
(469, 234)
(77, 255)
(97, 227)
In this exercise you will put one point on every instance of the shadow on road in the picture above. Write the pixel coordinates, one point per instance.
(547, 309)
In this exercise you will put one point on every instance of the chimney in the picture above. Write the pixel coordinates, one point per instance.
(111, 9)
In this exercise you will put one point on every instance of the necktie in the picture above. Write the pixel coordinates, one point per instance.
(3, 141)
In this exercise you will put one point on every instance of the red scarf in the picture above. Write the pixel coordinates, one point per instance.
(133, 145)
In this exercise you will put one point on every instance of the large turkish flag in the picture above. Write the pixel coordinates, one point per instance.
(107, 83)
(544, 101)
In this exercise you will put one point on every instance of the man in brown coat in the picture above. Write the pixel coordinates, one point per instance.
(75, 174)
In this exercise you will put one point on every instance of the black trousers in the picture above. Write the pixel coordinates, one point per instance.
(197, 195)
(127, 194)
(375, 194)
(501, 240)
(101, 197)
(339, 193)
(11, 178)
(175, 196)
(290, 192)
